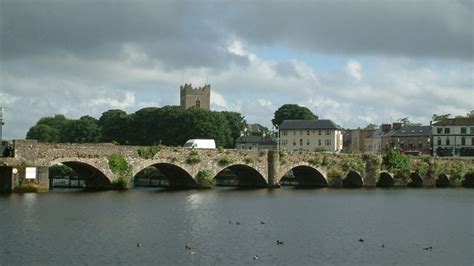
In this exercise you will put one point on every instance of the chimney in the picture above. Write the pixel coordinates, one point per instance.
(396, 126)
(386, 127)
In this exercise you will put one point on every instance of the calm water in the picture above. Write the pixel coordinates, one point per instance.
(317, 226)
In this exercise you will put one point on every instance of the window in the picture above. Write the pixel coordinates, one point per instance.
(463, 141)
(463, 130)
(447, 140)
(301, 142)
(294, 133)
(439, 141)
(294, 142)
(328, 132)
(447, 130)
(439, 130)
(472, 141)
(420, 146)
(307, 132)
(319, 142)
(319, 132)
(328, 142)
(198, 103)
(471, 130)
(307, 142)
(284, 132)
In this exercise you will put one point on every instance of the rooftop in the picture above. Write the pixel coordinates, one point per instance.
(309, 124)
(463, 121)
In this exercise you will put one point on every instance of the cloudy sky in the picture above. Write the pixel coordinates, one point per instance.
(355, 62)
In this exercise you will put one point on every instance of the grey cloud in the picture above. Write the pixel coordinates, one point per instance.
(194, 34)
(286, 69)
(439, 29)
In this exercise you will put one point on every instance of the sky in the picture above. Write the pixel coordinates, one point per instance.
(355, 62)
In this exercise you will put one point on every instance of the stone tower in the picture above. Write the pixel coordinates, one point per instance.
(199, 97)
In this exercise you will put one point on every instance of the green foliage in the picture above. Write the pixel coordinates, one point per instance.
(394, 160)
(315, 160)
(83, 130)
(113, 124)
(61, 170)
(335, 176)
(224, 161)
(371, 126)
(353, 164)
(25, 186)
(248, 160)
(421, 167)
(148, 153)
(118, 165)
(193, 157)
(327, 160)
(398, 163)
(261, 153)
(436, 117)
(169, 125)
(292, 111)
(205, 180)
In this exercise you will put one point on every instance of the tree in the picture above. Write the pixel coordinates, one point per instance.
(48, 129)
(406, 122)
(470, 114)
(292, 111)
(371, 126)
(236, 123)
(440, 117)
(83, 130)
(114, 126)
(43, 133)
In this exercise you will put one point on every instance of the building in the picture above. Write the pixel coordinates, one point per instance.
(357, 140)
(453, 137)
(410, 140)
(199, 97)
(255, 143)
(407, 139)
(310, 135)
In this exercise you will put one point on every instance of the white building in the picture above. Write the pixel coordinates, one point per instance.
(453, 137)
(310, 135)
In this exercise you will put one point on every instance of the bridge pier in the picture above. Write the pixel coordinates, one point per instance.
(273, 159)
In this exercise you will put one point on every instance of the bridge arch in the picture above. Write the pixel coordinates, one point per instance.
(243, 175)
(307, 175)
(352, 179)
(385, 180)
(415, 180)
(176, 174)
(443, 181)
(468, 180)
(94, 174)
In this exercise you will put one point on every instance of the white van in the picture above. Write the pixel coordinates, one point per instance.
(200, 144)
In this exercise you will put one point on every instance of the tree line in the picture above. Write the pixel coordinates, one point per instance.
(169, 125)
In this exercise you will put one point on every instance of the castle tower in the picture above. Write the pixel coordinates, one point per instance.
(199, 97)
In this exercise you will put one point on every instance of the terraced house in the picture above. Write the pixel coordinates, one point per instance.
(453, 137)
(310, 135)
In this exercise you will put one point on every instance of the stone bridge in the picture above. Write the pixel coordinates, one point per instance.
(32, 160)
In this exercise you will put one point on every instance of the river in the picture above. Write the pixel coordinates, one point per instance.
(317, 227)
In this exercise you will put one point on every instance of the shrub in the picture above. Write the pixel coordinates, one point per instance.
(326, 160)
(193, 157)
(353, 165)
(25, 186)
(248, 160)
(205, 180)
(118, 165)
(394, 160)
(148, 153)
(224, 161)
